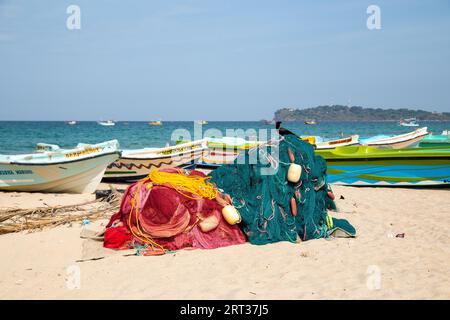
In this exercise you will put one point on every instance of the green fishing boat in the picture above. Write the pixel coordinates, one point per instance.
(435, 141)
(368, 166)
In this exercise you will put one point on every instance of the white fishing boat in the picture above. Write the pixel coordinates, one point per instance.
(53, 169)
(407, 140)
(342, 142)
(72, 122)
(107, 123)
(136, 164)
(411, 122)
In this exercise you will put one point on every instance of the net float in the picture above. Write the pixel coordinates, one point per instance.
(293, 207)
(291, 155)
(231, 215)
(298, 195)
(294, 173)
(228, 198)
(330, 195)
(208, 224)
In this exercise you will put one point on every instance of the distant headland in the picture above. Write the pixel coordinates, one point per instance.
(356, 113)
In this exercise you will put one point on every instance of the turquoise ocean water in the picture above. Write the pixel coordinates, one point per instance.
(22, 136)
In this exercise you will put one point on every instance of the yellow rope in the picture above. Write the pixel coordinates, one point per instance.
(135, 208)
(193, 184)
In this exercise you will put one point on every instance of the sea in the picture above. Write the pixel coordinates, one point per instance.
(22, 136)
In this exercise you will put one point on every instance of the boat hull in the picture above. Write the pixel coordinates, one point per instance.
(343, 142)
(408, 140)
(393, 173)
(78, 176)
(390, 168)
(132, 169)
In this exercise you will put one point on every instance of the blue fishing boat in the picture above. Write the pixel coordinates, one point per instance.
(368, 166)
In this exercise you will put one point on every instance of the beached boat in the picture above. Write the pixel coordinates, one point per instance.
(136, 164)
(107, 123)
(411, 122)
(342, 142)
(368, 166)
(155, 123)
(223, 150)
(407, 140)
(435, 141)
(52, 169)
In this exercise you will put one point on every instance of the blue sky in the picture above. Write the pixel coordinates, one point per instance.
(219, 59)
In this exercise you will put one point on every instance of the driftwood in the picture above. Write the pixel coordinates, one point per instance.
(17, 220)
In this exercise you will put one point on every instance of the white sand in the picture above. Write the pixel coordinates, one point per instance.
(41, 265)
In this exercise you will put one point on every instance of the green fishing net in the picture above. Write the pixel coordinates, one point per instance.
(257, 183)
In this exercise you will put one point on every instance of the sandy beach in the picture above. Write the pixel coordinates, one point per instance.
(377, 264)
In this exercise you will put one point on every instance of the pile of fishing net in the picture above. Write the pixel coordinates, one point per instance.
(173, 209)
(274, 209)
(170, 210)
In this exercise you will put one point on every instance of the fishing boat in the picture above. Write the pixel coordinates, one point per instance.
(201, 122)
(72, 122)
(225, 150)
(342, 142)
(310, 122)
(369, 166)
(268, 122)
(107, 123)
(407, 140)
(435, 140)
(52, 169)
(155, 123)
(222, 151)
(411, 122)
(136, 164)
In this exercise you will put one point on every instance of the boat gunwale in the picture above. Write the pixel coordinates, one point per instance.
(165, 156)
(61, 162)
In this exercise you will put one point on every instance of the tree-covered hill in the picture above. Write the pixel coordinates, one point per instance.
(356, 113)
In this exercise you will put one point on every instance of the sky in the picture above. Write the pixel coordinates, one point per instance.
(219, 59)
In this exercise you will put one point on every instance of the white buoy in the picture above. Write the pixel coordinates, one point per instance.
(208, 224)
(294, 173)
(231, 215)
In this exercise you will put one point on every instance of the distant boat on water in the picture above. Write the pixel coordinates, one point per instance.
(411, 122)
(202, 122)
(310, 122)
(107, 123)
(72, 122)
(155, 123)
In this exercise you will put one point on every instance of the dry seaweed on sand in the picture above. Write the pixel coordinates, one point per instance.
(16, 220)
